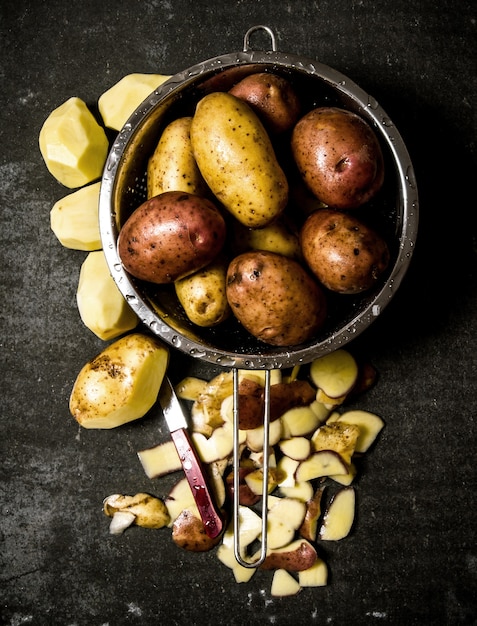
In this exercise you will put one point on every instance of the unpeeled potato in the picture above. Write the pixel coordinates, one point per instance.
(237, 160)
(171, 236)
(272, 97)
(339, 157)
(274, 298)
(203, 294)
(172, 166)
(346, 255)
(121, 383)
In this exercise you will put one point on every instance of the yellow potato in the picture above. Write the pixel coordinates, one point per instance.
(203, 295)
(74, 219)
(277, 237)
(237, 160)
(121, 383)
(119, 102)
(73, 145)
(101, 305)
(172, 167)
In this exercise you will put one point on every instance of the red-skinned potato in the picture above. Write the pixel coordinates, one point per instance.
(171, 236)
(275, 298)
(344, 254)
(338, 156)
(273, 99)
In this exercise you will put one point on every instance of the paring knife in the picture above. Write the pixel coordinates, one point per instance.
(191, 464)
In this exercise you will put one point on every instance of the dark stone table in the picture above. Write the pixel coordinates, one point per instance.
(412, 557)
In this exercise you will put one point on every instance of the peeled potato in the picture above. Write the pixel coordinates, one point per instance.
(123, 98)
(74, 219)
(73, 144)
(101, 305)
(121, 383)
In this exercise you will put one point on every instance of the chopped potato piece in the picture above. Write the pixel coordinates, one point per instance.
(101, 305)
(338, 436)
(119, 102)
(314, 576)
(339, 516)
(335, 373)
(74, 219)
(283, 584)
(73, 145)
(369, 424)
(160, 460)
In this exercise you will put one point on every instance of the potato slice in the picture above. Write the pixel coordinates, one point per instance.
(120, 101)
(339, 516)
(190, 388)
(294, 557)
(284, 518)
(73, 145)
(299, 421)
(301, 491)
(369, 424)
(250, 527)
(314, 576)
(286, 471)
(179, 499)
(335, 373)
(74, 219)
(309, 527)
(345, 479)
(254, 436)
(102, 307)
(297, 448)
(254, 480)
(283, 584)
(121, 383)
(319, 464)
(226, 555)
(160, 460)
(337, 436)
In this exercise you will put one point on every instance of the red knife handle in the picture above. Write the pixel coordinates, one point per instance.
(193, 470)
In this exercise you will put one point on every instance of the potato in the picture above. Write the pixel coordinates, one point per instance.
(272, 97)
(171, 236)
(274, 298)
(278, 237)
(73, 145)
(202, 294)
(74, 219)
(188, 532)
(237, 160)
(101, 305)
(346, 255)
(148, 511)
(121, 383)
(339, 157)
(296, 556)
(172, 167)
(119, 102)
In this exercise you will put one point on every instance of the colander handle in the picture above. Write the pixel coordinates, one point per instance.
(253, 29)
(236, 464)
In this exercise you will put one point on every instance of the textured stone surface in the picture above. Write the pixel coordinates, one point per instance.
(412, 558)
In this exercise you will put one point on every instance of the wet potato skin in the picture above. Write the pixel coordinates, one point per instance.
(338, 156)
(272, 97)
(274, 298)
(170, 236)
(344, 254)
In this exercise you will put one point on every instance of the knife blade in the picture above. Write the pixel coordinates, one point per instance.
(176, 421)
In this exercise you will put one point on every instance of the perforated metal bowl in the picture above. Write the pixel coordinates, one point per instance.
(394, 213)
